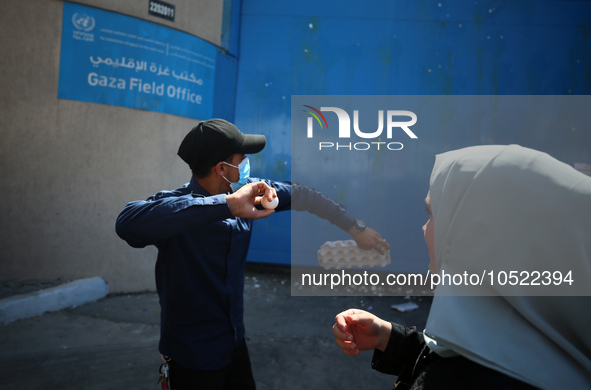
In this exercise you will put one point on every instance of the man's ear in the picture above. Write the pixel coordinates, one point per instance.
(220, 169)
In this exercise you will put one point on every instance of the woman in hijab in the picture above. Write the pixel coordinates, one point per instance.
(496, 208)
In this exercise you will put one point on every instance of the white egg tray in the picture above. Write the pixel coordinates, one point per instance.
(346, 254)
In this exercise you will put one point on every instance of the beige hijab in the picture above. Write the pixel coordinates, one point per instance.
(504, 208)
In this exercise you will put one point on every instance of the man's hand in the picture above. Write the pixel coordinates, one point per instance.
(370, 239)
(357, 330)
(243, 202)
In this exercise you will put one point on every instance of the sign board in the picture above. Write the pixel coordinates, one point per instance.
(120, 60)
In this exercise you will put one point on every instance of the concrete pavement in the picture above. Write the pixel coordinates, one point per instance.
(113, 343)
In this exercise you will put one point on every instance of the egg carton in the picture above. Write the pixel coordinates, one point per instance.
(346, 254)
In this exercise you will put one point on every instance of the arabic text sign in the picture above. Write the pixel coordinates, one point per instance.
(123, 61)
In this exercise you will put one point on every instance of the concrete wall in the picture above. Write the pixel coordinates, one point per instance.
(67, 168)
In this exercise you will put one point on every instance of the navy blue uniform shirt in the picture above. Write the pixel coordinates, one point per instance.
(202, 252)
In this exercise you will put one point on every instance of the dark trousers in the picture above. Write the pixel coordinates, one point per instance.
(235, 376)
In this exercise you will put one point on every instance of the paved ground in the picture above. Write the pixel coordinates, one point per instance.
(112, 343)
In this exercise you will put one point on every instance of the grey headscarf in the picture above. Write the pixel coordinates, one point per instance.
(504, 208)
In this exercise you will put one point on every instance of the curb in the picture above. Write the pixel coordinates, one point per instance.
(67, 295)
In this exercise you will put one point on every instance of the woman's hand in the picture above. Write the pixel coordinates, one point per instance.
(357, 330)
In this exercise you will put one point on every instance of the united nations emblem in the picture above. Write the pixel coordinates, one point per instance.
(83, 22)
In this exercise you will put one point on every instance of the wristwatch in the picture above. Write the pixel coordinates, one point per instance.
(357, 227)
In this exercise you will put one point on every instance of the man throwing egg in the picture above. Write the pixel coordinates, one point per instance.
(202, 231)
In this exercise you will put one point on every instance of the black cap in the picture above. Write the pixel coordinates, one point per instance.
(214, 140)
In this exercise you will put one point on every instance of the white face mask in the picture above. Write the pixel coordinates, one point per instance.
(244, 170)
